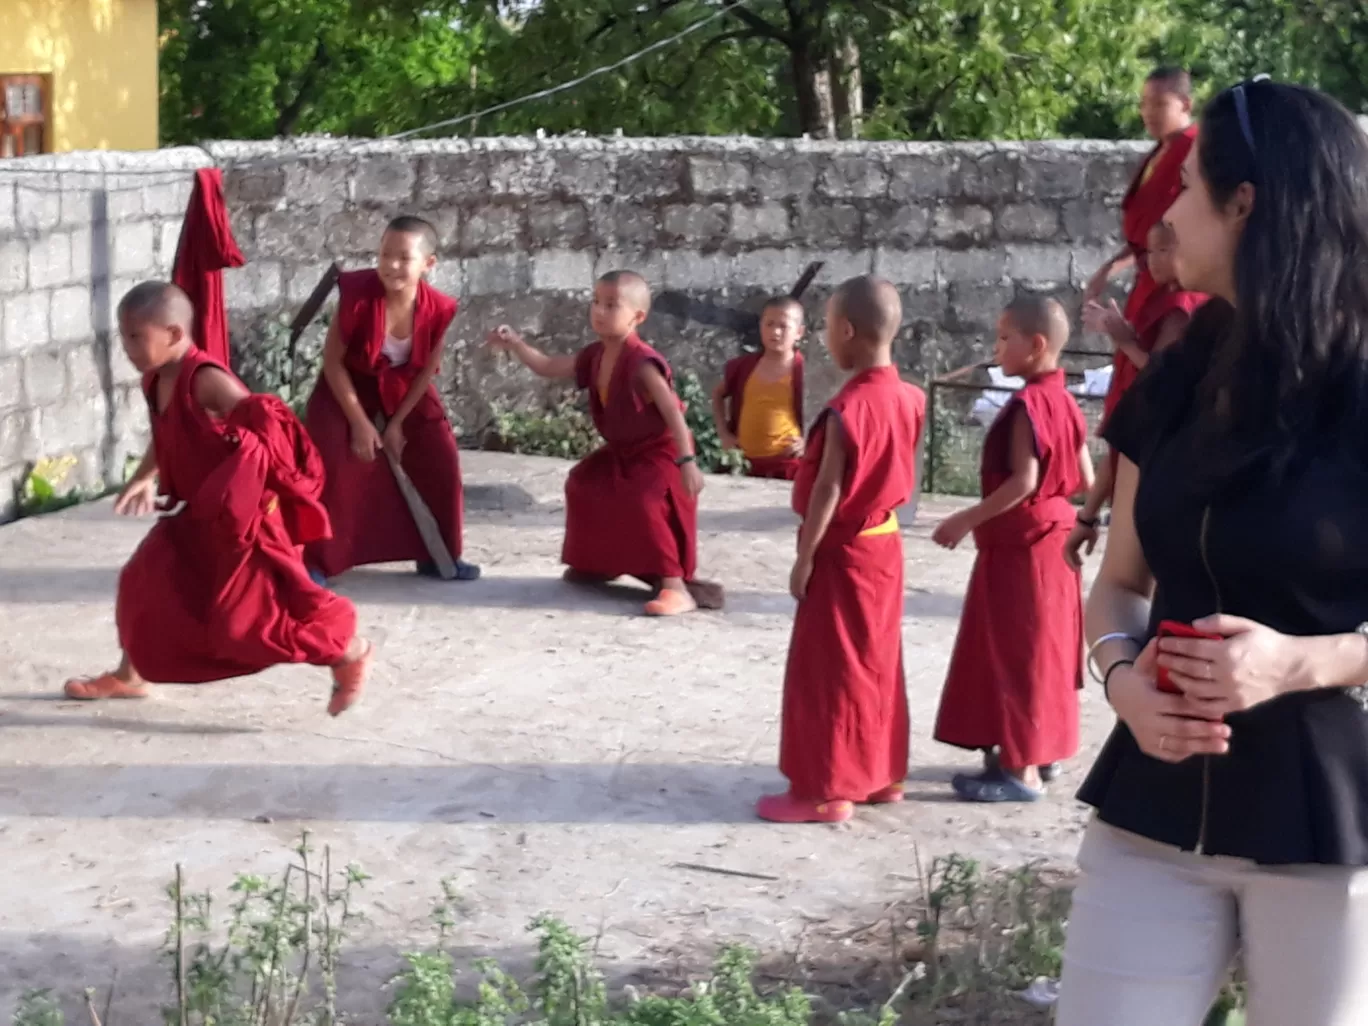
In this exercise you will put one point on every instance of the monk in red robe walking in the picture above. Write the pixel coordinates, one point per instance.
(1158, 324)
(758, 404)
(631, 506)
(380, 360)
(1013, 682)
(218, 589)
(844, 736)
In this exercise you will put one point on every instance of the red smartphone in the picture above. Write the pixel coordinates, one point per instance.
(1174, 629)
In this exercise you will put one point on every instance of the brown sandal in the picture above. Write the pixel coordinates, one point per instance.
(348, 679)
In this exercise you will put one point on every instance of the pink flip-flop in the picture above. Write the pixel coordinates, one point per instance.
(348, 680)
(784, 808)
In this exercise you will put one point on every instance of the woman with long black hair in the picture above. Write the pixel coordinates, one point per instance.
(1232, 815)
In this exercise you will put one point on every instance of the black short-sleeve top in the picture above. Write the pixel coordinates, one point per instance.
(1287, 549)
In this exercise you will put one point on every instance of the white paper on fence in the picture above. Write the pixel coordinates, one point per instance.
(991, 400)
(1095, 382)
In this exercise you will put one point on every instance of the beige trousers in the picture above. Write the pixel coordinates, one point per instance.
(1154, 930)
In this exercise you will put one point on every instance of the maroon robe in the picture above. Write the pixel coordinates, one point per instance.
(371, 522)
(219, 589)
(845, 724)
(734, 378)
(1147, 321)
(626, 511)
(206, 247)
(1018, 659)
(1145, 204)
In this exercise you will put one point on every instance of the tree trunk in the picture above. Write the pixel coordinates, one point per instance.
(847, 92)
(812, 90)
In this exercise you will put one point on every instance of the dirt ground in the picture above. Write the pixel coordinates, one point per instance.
(546, 749)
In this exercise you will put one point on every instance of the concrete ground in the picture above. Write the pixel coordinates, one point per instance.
(544, 748)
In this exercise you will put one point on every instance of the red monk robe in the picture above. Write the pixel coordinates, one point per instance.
(219, 589)
(371, 522)
(734, 378)
(206, 247)
(845, 722)
(626, 510)
(1162, 301)
(1018, 659)
(1155, 186)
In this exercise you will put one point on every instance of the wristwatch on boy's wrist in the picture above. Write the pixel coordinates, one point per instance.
(1089, 522)
(684, 459)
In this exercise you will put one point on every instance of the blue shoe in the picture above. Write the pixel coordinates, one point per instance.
(464, 571)
(318, 577)
(1050, 772)
(1000, 787)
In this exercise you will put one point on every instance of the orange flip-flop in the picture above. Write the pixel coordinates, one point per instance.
(784, 808)
(348, 680)
(107, 685)
(887, 796)
(671, 603)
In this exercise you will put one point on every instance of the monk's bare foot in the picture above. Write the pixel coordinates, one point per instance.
(108, 685)
(672, 600)
(785, 808)
(349, 676)
(708, 594)
(573, 576)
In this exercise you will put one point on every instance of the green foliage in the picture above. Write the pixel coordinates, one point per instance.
(37, 1008)
(937, 69)
(712, 458)
(265, 365)
(952, 448)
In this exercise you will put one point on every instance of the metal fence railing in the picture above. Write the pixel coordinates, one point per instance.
(954, 435)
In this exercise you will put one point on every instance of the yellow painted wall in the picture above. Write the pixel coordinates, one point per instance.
(102, 59)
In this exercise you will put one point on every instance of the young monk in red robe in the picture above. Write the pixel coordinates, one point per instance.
(1014, 675)
(844, 736)
(1157, 325)
(758, 404)
(218, 588)
(631, 506)
(381, 357)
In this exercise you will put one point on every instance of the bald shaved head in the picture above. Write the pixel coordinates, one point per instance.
(159, 303)
(872, 307)
(631, 287)
(1040, 315)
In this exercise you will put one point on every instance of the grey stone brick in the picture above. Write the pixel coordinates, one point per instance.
(85, 262)
(71, 315)
(839, 265)
(121, 371)
(282, 233)
(1110, 174)
(11, 383)
(253, 185)
(77, 204)
(133, 252)
(1047, 176)
(37, 211)
(26, 321)
(523, 174)
(384, 181)
(49, 261)
(650, 264)
(323, 182)
(557, 224)
(718, 176)
(973, 266)
(768, 222)
(1086, 260)
(69, 426)
(83, 372)
(780, 177)
(899, 224)
(620, 223)
(257, 286)
(914, 267)
(697, 223)
(354, 233)
(19, 437)
(585, 175)
(1038, 265)
(1087, 220)
(8, 209)
(770, 268)
(168, 240)
(922, 177)
(13, 266)
(498, 272)
(125, 204)
(302, 279)
(562, 270)
(991, 176)
(169, 199)
(453, 177)
(856, 177)
(492, 228)
(1029, 222)
(962, 225)
(44, 378)
(642, 175)
(824, 225)
(686, 269)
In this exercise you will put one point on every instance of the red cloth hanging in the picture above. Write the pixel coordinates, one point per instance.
(206, 247)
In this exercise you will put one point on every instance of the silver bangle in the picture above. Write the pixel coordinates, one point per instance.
(1091, 662)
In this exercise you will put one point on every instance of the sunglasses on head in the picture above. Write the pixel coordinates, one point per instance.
(1242, 112)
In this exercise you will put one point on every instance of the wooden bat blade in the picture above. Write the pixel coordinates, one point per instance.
(314, 303)
(806, 279)
(422, 516)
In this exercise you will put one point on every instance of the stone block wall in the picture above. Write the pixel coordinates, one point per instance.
(526, 225)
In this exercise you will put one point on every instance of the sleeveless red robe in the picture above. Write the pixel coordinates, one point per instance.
(734, 378)
(845, 722)
(219, 589)
(1018, 659)
(626, 511)
(371, 522)
(1161, 303)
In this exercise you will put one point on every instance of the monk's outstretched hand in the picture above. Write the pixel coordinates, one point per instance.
(1082, 540)
(950, 531)
(138, 498)
(799, 577)
(502, 339)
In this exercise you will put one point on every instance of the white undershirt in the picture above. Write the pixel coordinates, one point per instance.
(398, 350)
